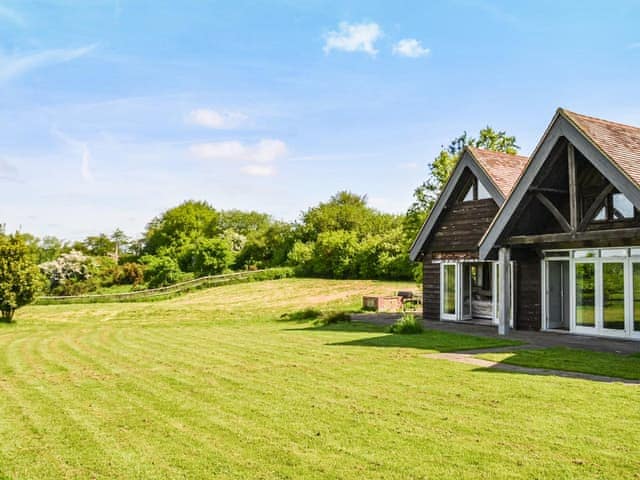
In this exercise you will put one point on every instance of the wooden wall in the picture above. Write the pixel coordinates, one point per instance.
(528, 284)
(462, 226)
(431, 289)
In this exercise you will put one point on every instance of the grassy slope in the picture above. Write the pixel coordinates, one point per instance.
(572, 360)
(211, 384)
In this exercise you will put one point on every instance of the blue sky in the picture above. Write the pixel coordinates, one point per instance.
(112, 111)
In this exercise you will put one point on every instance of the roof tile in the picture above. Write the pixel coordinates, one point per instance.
(621, 143)
(503, 168)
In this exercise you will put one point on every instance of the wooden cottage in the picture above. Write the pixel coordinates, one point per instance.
(548, 242)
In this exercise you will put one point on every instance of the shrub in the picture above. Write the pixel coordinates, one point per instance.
(130, 274)
(302, 315)
(335, 317)
(408, 324)
(69, 273)
(19, 275)
(161, 271)
(206, 256)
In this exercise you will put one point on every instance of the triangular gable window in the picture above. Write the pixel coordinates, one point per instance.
(615, 207)
(475, 191)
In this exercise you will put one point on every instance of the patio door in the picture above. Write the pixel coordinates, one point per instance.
(584, 273)
(635, 299)
(558, 294)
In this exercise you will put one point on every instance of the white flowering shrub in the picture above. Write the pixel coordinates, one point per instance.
(72, 267)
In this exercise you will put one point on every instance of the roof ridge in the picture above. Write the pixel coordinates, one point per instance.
(597, 119)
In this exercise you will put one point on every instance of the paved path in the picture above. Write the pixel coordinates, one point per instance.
(532, 339)
(469, 359)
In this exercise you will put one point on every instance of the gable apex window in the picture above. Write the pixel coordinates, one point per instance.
(475, 190)
(616, 207)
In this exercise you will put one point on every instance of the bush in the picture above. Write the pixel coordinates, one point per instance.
(19, 275)
(302, 315)
(130, 274)
(207, 256)
(408, 324)
(161, 271)
(335, 317)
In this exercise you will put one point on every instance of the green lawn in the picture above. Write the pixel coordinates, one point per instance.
(597, 363)
(215, 384)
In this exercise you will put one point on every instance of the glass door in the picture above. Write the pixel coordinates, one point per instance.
(635, 296)
(585, 297)
(448, 291)
(613, 298)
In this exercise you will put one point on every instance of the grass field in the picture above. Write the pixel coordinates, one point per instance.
(215, 384)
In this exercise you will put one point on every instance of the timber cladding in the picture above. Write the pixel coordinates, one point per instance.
(462, 226)
(528, 284)
(431, 289)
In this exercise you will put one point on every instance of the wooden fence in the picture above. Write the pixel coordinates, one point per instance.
(170, 290)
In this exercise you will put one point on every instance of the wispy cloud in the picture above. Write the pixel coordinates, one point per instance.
(353, 37)
(265, 151)
(216, 120)
(7, 170)
(259, 170)
(81, 148)
(258, 157)
(410, 47)
(12, 16)
(12, 66)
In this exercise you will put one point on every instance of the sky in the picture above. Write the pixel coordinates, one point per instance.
(113, 111)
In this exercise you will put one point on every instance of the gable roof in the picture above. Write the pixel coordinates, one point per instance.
(620, 143)
(498, 172)
(503, 169)
(613, 148)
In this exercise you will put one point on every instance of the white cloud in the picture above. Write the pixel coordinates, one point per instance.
(353, 37)
(85, 165)
(265, 151)
(79, 147)
(7, 170)
(410, 47)
(12, 16)
(216, 120)
(259, 170)
(15, 65)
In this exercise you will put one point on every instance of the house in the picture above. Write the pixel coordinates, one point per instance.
(548, 242)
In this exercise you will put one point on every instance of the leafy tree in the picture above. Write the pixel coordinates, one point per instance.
(442, 166)
(209, 256)
(267, 248)
(334, 254)
(19, 275)
(99, 245)
(181, 225)
(344, 211)
(243, 223)
(161, 271)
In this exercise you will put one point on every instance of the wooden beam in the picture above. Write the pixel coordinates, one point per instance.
(595, 206)
(548, 190)
(573, 188)
(504, 266)
(615, 234)
(555, 212)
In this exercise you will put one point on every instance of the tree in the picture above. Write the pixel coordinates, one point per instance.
(344, 211)
(208, 256)
(19, 275)
(99, 245)
(181, 225)
(442, 166)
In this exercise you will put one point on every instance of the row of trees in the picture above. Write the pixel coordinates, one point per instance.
(341, 238)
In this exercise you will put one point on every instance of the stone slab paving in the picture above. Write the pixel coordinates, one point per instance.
(469, 359)
(532, 339)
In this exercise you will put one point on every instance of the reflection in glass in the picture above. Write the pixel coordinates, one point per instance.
(449, 290)
(613, 295)
(585, 294)
(622, 207)
(636, 297)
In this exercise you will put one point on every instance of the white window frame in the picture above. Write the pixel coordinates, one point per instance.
(628, 260)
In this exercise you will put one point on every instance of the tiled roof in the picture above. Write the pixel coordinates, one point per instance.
(620, 143)
(504, 169)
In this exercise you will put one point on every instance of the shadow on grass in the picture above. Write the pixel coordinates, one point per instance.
(567, 362)
(431, 340)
